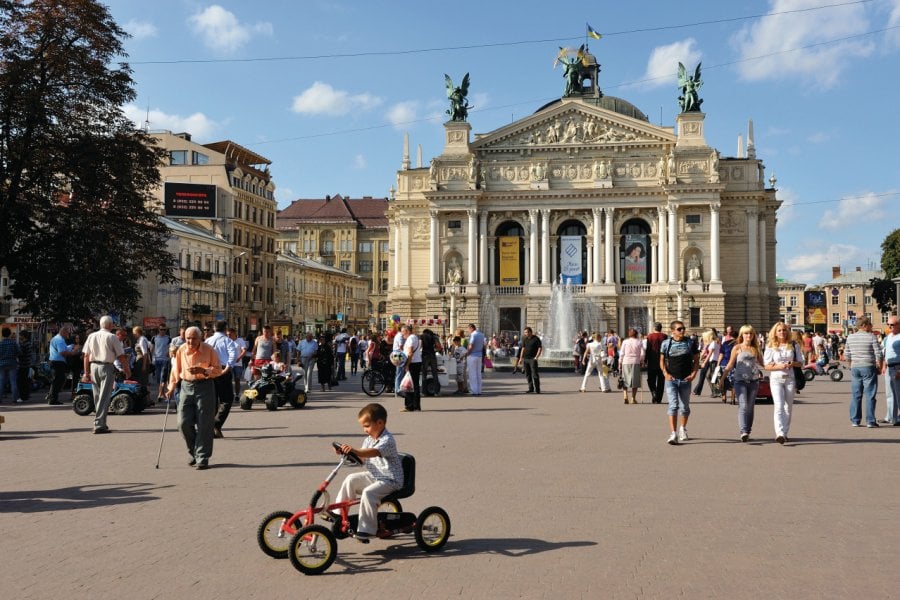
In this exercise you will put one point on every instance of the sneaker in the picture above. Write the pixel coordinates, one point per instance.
(872, 424)
(19, 401)
(682, 434)
(202, 465)
(854, 424)
(781, 439)
(54, 402)
(217, 433)
(363, 537)
(745, 437)
(673, 439)
(192, 462)
(102, 429)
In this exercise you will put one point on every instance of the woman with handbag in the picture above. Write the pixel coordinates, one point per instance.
(746, 362)
(631, 355)
(709, 358)
(412, 347)
(780, 358)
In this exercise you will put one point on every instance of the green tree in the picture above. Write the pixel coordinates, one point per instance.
(884, 290)
(77, 229)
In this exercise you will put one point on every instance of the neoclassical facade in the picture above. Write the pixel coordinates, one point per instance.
(633, 222)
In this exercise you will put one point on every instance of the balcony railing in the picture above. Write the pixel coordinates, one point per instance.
(636, 289)
(508, 290)
(204, 275)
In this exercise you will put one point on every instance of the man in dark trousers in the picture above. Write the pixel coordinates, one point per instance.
(430, 346)
(227, 352)
(655, 380)
(529, 355)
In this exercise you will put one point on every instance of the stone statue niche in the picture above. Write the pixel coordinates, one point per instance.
(454, 274)
(694, 269)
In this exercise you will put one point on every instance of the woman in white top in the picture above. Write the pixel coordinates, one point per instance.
(709, 357)
(593, 359)
(781, 356)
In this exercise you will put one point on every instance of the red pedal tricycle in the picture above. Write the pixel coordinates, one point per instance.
(312, 548)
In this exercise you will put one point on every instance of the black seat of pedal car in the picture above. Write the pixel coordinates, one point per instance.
(408, 462)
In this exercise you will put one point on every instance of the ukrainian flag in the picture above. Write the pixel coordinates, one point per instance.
(591, 33)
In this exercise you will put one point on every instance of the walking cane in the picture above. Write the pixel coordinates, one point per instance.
(163, 436)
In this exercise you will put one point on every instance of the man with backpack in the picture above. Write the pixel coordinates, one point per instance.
(430, 346)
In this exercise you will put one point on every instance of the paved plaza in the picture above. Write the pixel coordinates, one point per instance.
(558, 495)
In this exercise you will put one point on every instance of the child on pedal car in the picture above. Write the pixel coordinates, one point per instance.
(383, 474)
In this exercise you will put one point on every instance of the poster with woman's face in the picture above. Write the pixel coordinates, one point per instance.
(635, 259)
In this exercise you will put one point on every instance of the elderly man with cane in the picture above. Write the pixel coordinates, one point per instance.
(101, 349)
(196, 365)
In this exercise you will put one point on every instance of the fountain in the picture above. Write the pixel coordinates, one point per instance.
(566, 316)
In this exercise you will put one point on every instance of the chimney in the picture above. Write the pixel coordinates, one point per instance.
(835, 272)
(858, 269)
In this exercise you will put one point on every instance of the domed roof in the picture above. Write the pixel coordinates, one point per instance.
(613, 103)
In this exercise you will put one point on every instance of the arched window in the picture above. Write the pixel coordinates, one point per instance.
(571, 253)
(509, 258)
(635, 267)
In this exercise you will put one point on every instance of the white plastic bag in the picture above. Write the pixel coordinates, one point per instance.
(406, 384)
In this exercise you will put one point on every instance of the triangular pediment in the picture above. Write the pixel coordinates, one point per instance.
(573, 123)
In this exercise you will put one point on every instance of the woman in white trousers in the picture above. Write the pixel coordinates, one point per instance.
(780, 358)
(593, 359)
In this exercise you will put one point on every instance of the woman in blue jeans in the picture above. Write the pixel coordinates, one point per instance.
(746, 362)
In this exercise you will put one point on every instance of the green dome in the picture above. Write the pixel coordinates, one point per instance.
(623, 107)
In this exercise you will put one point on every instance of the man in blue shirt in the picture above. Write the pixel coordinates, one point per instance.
(474, 359)
(227, 351)
(891, 370)
(59, 352)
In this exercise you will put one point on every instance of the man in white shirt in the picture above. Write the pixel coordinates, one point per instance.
(412, 347)
(101, 349)
(341, 341)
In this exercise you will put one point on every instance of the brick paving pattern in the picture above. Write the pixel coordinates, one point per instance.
(561, 495)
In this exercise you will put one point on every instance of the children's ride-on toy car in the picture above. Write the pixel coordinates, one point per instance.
(127, 397)
(312, 548)
(275, 389)
(831, 369)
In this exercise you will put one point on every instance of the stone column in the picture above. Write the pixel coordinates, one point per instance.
(609, 276)
(533, 258)
(714, 274)
(554, 264)
(527, 270)
(492, 248)
(397, 253)
(482, 253)
(589, 276)
(595, 271)
(404, 269)
(545, 246)
(654, 269)
(433, 271)
(674, 264)
(762, 250)
(753, 245)
(663, 245)
(473, 248)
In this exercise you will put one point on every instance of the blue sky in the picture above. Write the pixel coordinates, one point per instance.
(821, 85)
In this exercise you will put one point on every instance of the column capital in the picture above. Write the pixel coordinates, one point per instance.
(434, 214)
(545, 212)
(715, 206)
(597, 211)
(672, 207)
(610, 210)
(533, 214)
(472, 213)
(752, 211)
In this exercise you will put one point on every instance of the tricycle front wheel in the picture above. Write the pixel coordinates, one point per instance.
(272, 540)
(313, 549)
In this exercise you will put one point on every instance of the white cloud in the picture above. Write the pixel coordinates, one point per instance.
(775, 35)
(140, 29)
(198, 125)
(403, 113)
(893, 35)
(662, 66)
(788, 211)
(868, 207)
(322, 99)
(221, 30)
(359, 162)
(835, 254)
(819, 137)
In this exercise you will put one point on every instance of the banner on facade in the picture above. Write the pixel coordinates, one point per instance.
(570, 260)
(635, 259)
(509, 260)
(815, 307)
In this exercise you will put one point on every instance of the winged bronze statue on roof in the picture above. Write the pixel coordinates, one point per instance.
(459, 105)
(689, 100)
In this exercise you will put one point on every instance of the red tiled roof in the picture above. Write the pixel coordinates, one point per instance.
(366, 212)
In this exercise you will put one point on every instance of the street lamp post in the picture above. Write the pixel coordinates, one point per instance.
(241, 290)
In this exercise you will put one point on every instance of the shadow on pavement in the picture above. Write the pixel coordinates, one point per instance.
(75, 497)
(465, 410)
(249, 466)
